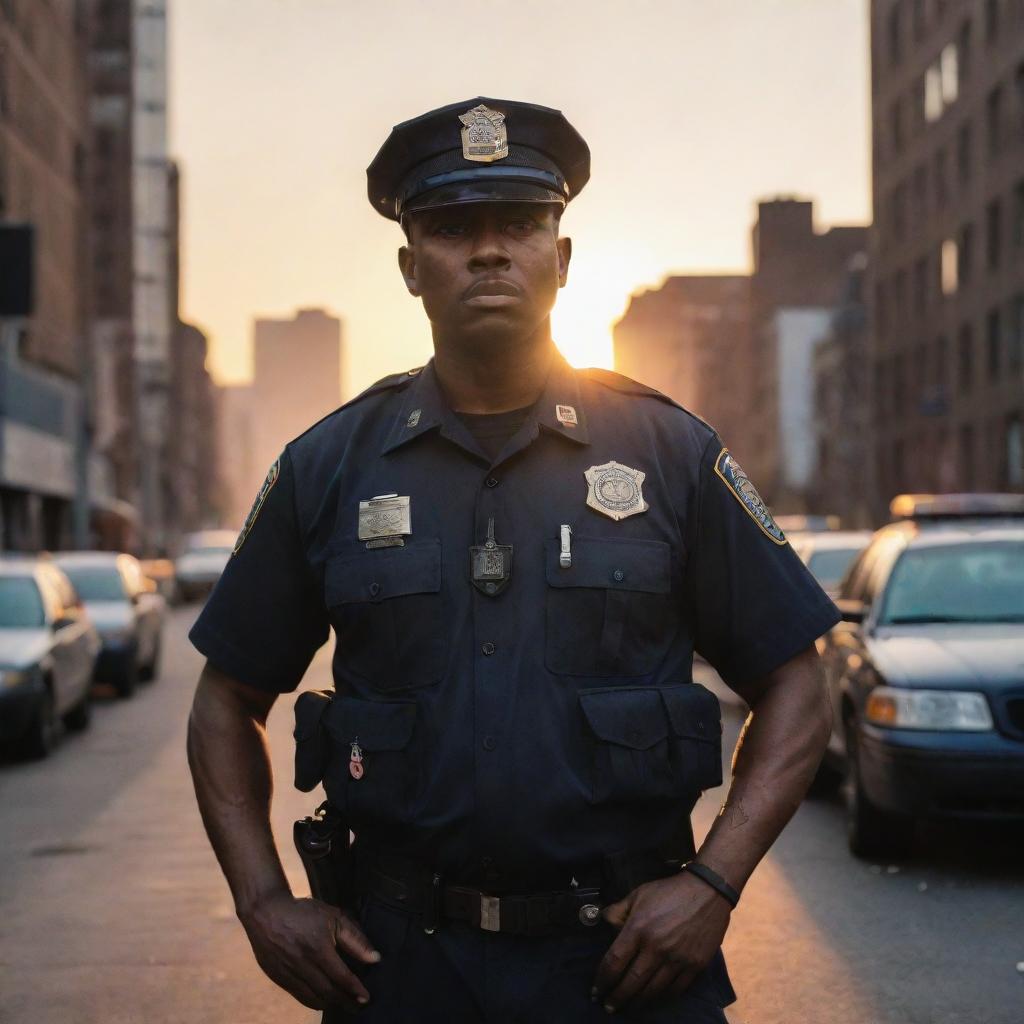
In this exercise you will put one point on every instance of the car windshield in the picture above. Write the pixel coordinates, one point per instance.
(829, 566)
(977, 582)
(96, 584)
(20, 604)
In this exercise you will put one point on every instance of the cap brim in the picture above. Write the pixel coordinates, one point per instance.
(483, 192)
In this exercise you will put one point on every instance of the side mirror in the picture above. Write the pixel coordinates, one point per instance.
(851, 610)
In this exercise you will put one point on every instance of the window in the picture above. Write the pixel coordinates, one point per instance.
(899, 393)
(1015, 356)
(920, 193)
(991, 21)
(994, 120)
(949, 67)
(963, 152)
(921, 286)
(881, 308)
(932, 94)
(993, 234)
(939, 363)
(964, 49)
(895, 34)
(1014, 452)
(994, 342)
(1018, 86)
(898, 211)
(965, 255)
(950, 267)
(918, 19)
(1017, 227)
(899, 294)
(965, 360)
(896, 124)
(967, 457)
(939, 177)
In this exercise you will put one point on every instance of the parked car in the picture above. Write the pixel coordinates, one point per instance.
(48, 650)
(128, 613)
(200, 564)
(926, 670)
(795, 525)
(828, 555)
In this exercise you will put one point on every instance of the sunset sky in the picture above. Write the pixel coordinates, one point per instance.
(692, 109)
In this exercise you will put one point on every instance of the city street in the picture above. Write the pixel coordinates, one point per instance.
(112, 908)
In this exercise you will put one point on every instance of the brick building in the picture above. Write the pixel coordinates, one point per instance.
(44, 136)
(946, 287)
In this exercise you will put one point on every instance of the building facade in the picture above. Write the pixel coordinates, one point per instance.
(946, 279)
(44, 138)
(296, 381)
(683, 338)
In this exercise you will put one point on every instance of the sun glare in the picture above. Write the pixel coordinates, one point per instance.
(601, 280)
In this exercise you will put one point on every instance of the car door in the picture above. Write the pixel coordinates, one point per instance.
(59, 665)
(76, 634)
(145, 608)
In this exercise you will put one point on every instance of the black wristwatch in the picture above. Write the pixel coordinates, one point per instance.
(714, 879)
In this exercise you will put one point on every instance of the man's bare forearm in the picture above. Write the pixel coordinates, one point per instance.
(230, 763)
(778, 752)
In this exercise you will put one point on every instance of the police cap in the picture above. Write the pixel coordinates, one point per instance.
(480, 150)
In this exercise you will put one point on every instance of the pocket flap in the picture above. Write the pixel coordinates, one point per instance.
(694, 711)
(382, 573)
(309, 708)
(376, 725)
(643, 565)
(631, 718)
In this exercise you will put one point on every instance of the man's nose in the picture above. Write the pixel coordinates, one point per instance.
(489, 250)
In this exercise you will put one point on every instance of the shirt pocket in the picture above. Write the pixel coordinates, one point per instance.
(385, 606)
(611, 612)
(382, 731)
(651, 743)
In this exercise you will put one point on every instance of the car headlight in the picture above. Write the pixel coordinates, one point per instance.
(12, 677)
(929, 709)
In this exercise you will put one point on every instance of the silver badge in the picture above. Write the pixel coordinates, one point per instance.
(385, 520)
(615, 490)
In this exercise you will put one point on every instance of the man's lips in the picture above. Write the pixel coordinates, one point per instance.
(491, 287)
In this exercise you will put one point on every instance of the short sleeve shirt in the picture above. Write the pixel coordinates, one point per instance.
(551, 717)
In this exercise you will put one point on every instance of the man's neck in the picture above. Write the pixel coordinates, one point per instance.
(494, 380)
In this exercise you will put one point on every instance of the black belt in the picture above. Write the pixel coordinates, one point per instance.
(405, 885)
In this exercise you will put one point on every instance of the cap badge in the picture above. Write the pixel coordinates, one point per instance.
(484, 138)
(615, 490)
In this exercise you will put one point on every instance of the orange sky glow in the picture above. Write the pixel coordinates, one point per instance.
(693, 110)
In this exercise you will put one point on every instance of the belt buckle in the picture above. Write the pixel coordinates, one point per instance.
(490, 913)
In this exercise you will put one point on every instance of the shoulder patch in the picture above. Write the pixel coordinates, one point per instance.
(250, 519)
(743, 489)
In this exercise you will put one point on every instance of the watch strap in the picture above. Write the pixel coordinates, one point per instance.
(714, 879)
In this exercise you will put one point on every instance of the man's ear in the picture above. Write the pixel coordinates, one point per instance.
(564, 247)
(407, 265)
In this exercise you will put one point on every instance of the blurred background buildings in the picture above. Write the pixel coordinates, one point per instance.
(851, 363)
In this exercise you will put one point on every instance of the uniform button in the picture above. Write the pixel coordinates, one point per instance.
(491, 481)
(374, 589)
(618, 575)
(491, 588)
(490, 743)
(488, 648)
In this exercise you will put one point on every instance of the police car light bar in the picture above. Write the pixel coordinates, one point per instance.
(933, 506)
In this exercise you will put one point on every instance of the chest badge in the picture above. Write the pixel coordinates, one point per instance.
(385, 520)
(616, 490)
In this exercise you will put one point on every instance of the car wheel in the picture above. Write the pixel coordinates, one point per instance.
(42, 733)
(151, 669)
(871, 832)
(128, 678)
(79, 717)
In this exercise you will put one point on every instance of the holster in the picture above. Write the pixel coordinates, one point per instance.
(323, 845)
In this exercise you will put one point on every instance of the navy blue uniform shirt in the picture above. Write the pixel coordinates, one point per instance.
(555, 721)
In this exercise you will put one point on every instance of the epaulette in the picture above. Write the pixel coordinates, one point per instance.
(620, 382)
(628, 386)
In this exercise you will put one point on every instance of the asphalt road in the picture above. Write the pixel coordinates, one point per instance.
(112, 908)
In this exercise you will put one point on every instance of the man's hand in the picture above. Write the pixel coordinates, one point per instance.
(670, 930)
(299, 942)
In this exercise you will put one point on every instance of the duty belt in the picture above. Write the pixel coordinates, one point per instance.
(404, 885)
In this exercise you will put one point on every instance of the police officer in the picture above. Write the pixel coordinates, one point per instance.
(519, 561)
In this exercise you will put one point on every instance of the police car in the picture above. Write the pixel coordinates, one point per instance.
(926, 670)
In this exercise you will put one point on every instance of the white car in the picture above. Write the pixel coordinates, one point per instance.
(828, 555)
(127, 611)
(199, 567)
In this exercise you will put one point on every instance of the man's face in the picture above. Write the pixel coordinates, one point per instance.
(485, 271)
